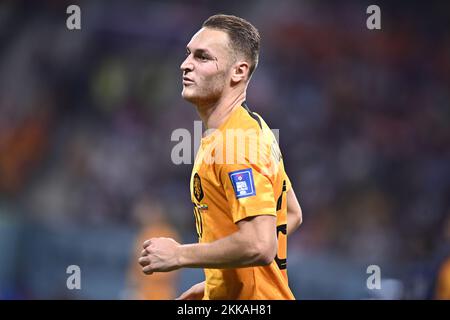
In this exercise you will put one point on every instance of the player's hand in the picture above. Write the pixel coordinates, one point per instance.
(159, 255)
(195, 292)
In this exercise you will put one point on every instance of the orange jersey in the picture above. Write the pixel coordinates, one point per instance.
(239, 173)
(443, 285)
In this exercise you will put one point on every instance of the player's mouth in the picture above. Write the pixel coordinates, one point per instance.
(187, 81)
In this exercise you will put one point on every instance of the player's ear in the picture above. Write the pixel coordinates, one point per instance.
(240, 71)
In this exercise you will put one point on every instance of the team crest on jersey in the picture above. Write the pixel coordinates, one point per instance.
(197, 186)
(243, 184)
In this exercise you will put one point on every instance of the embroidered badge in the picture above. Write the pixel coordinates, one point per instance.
(243, 184)
(197, 186)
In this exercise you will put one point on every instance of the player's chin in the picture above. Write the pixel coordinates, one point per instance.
(188, 95)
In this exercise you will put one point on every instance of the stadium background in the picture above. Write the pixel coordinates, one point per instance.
(86, 118)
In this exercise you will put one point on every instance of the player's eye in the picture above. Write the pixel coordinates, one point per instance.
(202, 57)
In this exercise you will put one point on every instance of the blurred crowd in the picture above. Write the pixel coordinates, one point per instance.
(86, 119)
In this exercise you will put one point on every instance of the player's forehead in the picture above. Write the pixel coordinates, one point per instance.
(207, 39)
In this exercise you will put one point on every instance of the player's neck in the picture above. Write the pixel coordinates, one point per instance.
(217, 113)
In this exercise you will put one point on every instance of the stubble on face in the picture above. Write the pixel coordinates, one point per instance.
(209, 82)
(206, 90)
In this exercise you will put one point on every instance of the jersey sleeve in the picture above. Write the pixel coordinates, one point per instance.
(248, 191)
(248, 183)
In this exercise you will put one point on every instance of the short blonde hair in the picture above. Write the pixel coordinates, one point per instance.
(244, 37)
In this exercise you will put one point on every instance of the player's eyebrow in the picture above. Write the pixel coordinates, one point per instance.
(199, 51)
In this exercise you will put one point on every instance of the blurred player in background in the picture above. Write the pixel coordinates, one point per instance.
(442, 281)
(244, 206)
(150, 215)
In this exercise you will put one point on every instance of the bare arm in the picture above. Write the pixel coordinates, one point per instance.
(254, 244)
(294, 212)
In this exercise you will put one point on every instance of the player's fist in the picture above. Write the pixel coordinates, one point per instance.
(159, 255)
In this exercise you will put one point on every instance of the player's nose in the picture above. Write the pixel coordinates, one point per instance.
(187, 65)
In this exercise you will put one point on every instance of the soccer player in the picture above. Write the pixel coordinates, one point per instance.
(244, 204)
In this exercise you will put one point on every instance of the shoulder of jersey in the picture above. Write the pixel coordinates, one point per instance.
(245, 120)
